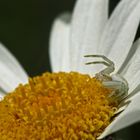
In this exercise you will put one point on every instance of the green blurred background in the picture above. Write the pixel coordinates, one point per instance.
(24, 29)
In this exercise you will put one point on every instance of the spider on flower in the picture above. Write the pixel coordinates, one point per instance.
(116, 82)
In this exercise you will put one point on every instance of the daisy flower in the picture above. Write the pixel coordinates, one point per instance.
(90, 31)
(75, 105)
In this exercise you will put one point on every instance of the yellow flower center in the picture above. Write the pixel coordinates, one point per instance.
(56, 106)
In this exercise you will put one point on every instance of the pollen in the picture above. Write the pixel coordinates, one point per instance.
(56, 106)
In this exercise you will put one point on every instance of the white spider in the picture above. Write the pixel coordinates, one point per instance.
(116, 82)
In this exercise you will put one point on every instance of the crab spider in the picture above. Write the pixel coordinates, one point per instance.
(116, 82)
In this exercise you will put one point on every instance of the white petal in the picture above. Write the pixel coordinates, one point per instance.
(134, 83)
(13, 64)
(120, 31)
(128, 117)
(59, 44)
(88, 21)
(132, 70)
(11, 72)
(8, 79)
(127, 61)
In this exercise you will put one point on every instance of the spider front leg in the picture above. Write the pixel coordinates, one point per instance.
(105, 73)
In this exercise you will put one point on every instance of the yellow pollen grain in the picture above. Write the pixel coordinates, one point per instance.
(56, 106)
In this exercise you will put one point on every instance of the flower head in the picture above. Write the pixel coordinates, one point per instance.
(91, 31)
(57, 106)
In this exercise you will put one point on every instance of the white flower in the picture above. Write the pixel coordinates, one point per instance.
(90, 31)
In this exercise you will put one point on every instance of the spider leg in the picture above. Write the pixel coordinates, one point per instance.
(107, 62)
